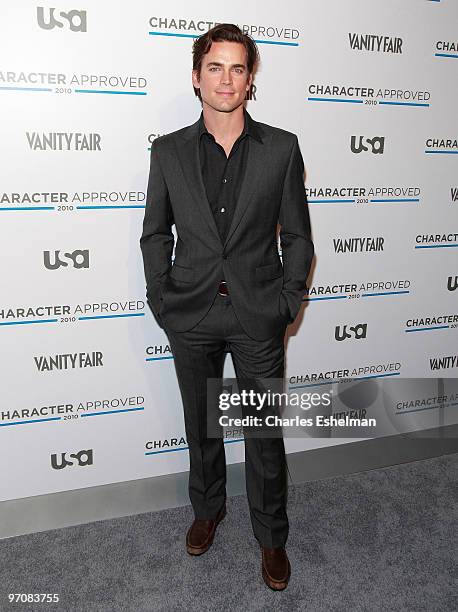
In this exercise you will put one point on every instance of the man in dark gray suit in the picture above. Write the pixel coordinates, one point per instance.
(225, 182)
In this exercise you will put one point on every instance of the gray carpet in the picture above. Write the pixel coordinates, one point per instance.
(383, 540)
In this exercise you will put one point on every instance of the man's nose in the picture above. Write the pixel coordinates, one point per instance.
(226, 76)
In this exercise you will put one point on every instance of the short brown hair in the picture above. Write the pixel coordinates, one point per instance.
(223, 32)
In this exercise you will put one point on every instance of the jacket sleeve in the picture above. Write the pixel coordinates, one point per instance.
(157, 239)
(295, 233)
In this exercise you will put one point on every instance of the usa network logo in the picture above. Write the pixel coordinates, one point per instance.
(50, 18)
(343, 332)
(375, 145)
(77, 259)
(452, 283)
(82, 458)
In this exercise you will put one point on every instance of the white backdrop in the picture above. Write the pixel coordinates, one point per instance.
(85, 88)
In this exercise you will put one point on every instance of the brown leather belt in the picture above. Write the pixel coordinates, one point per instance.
(222, 289)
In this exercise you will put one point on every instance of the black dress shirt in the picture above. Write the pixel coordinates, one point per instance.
(222, 175)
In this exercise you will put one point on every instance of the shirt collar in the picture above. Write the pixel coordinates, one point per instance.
(249, 127)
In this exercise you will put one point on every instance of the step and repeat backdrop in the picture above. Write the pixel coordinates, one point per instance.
(89, 394)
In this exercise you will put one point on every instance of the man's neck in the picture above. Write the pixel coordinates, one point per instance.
(225, 127)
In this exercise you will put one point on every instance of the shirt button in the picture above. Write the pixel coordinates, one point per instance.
(223, 209)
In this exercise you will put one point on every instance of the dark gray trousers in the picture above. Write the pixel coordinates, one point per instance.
(199, 354)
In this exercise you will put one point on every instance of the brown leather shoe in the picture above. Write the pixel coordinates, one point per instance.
(201, 533)
(276, 568)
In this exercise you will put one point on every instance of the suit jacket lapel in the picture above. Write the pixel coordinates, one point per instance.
(188, 154)
(256, 161)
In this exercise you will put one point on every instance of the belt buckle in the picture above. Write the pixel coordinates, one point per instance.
(225, 290)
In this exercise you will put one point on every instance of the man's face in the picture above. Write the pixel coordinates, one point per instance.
(224, 78)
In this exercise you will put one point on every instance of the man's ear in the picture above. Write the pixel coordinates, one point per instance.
(195, 79)
(249, 82)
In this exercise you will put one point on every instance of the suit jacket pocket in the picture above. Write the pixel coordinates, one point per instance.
(154, 313)
(181, 273)
(284, 311)
(273, 270)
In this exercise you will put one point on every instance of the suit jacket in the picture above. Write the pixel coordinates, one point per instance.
(265, 294)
